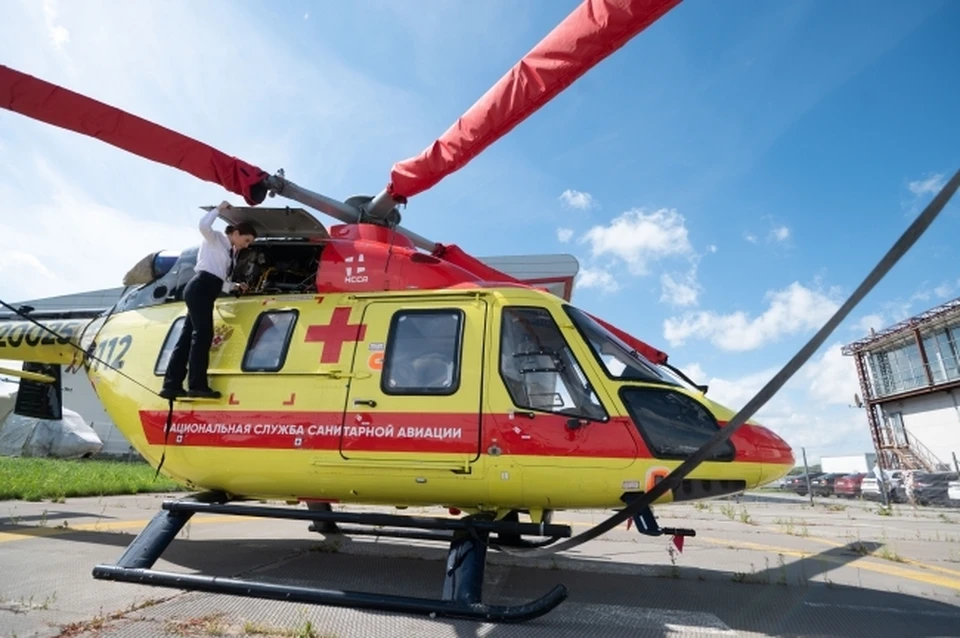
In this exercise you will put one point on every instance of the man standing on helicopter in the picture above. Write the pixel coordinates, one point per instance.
(215, 262)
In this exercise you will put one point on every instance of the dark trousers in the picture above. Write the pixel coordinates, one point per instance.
(196, 338)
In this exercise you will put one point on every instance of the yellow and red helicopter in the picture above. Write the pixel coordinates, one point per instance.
(368, 365)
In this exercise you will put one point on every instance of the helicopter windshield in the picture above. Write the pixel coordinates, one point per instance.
(619, 360)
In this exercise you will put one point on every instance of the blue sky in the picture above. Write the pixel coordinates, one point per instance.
(725, 179)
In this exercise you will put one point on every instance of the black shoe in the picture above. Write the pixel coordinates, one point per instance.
(323, 527)
(173, 393)
(205, 393)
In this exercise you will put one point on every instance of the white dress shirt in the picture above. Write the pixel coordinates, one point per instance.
(216, 254)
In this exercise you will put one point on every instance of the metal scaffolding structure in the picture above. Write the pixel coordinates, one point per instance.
(941, 312)
(899, 449)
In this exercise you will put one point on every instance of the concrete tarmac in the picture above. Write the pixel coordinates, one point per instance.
(765, 565)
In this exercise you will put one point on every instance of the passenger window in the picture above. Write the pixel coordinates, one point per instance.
(163, 360)
(539, 369)
(267, 349)
(423, 353)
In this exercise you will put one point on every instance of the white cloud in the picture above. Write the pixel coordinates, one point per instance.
(930, 185)
(712, 248)
(74, 243)
(682, 290)
(822, 432)
(16, 264)
(777, 234)
(946, 289)
(792, 310)
(780, 233)
(734, 393)
(896, 310)
(832, 377)
(804, 411)
(59, 35)
(875, 321)
(577, 199)
(919, 192)
(639, 238)
(597, 278)
(564, 234)
(694, 372)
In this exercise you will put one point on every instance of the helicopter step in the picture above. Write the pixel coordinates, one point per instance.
(462, 590)
(647, 524)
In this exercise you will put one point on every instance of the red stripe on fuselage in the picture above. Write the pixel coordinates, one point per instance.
(438, 433)
(543, 435)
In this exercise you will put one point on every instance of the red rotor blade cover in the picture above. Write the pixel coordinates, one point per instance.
(593, 31)
(41, 100)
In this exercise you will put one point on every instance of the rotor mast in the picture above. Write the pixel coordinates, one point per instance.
(350, 211)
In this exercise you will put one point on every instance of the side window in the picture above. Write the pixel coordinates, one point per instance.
(672, 424)
(423, 353)
(269, 342)
(163, 360)
(539, 369)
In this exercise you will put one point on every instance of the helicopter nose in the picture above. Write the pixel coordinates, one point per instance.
(775, 455)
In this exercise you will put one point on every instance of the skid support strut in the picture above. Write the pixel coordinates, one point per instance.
(462, 592)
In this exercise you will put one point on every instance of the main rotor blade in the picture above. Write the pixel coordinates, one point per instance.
(593, 31)
(41, 100)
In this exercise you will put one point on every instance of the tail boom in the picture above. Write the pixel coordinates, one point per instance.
(53, 341)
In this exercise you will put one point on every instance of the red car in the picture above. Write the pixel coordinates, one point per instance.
(848, 486)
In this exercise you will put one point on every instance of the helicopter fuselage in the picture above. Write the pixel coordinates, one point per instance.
(477, 397)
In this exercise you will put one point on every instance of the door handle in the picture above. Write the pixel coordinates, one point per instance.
(339, 374)
(369, 402)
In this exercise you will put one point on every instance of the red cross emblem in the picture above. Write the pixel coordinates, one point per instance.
(335, 334)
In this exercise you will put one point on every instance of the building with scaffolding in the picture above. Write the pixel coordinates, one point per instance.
(910, 380)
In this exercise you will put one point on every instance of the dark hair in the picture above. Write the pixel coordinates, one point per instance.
(243, 228)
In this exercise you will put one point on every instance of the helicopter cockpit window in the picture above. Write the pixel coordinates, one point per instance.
(163, 360)
(267, 349)
(539, 368)
(673, 425)
(423, 353)
(620, 361)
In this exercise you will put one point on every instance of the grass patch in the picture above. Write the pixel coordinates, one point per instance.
(789, 526)
(38, 479)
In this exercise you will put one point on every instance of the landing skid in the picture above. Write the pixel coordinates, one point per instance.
(461, 595)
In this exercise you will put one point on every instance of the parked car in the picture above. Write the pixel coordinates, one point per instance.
(798, 483)
(953, 492)
(849, 486)
(930, 488)
(870, 486)
(823, 484)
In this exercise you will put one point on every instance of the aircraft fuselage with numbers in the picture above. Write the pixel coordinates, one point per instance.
(474, 395)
